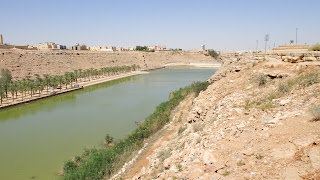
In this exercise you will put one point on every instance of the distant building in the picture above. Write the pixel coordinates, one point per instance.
(6, 46)
(98, 48)
(111, 47)
(22, 47)
(119, 49)
(203, 47)
(49, 46)
(150, 48)
(131, 48)
(159, 48)
(1, 39)
(156, 48)
(61, 46)
(79, 47)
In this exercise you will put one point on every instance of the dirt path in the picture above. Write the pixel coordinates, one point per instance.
(160, 137)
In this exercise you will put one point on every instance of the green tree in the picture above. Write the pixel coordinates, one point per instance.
(5, 79)
(46, 81)
(213, 53)
(2, 93)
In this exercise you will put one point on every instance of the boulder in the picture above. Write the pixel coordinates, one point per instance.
(269, 120)
(284, 102)
(287, 150)
(291, 173)
(208, 158)
(314, 155)
(310, 58)
(304, 141)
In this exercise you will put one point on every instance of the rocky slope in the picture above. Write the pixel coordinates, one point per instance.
(253, 122)
(27, 63)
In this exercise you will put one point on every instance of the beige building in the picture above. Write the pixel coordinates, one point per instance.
(1, 39)
(98, 48)
(47, 46)
(79, 47)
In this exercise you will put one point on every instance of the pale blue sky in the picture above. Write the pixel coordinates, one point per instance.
(220, 25)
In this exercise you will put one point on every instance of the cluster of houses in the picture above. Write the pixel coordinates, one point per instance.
(54, 46)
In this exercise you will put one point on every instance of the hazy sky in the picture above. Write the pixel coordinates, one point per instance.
(186, 24)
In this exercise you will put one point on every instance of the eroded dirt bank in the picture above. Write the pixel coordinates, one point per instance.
(253, 122)
(24, 63)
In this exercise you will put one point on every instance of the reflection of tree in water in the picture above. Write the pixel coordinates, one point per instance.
(48, 104)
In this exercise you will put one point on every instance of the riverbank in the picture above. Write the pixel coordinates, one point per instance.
(258, 120)
(9, 102)
(98, 163)
(197, 65)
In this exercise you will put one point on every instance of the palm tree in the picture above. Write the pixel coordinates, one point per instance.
(2, 95)
(21, 87)
(67, 79)
(60, 80)
(13, 88)
(6, 78)
(38, 83)
(46, 81)
(53, 82)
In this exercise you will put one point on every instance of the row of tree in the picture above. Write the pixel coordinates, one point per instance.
(10, 88)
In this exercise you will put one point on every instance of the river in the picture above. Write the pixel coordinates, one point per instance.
(36, 138)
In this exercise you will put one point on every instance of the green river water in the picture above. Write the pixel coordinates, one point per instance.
(36, 138)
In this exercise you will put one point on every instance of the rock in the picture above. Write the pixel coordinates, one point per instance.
(291, 173)
(305, 141)
(314, 155)
(208, 158)
(269, 120)
(284, 151)
(284, 102)
(167, 163)
(247, 152)
(236, 68)
(310, 58)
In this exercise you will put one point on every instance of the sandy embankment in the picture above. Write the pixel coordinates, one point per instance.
(24, 63)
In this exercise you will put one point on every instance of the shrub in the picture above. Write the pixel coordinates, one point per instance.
(213, 53)
(197, 127)
(199, 86)
(259, 156)
(163, 155)
(261, 79)
(69, 166)
(284, 88)
(181, 129)
(240, 163)
(315, 47)
(108, 139)
(226, 173)
(308, 79)
(315, 111)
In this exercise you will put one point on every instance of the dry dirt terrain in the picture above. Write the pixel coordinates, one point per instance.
(27, 63)
(253, 122)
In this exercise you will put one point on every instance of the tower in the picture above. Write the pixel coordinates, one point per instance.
(203, 47)
(1, 39)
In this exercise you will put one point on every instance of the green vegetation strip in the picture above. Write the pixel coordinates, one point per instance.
(96, 163)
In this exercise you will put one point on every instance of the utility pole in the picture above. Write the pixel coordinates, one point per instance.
(266, 38)
(297, 36)
(257, 46)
